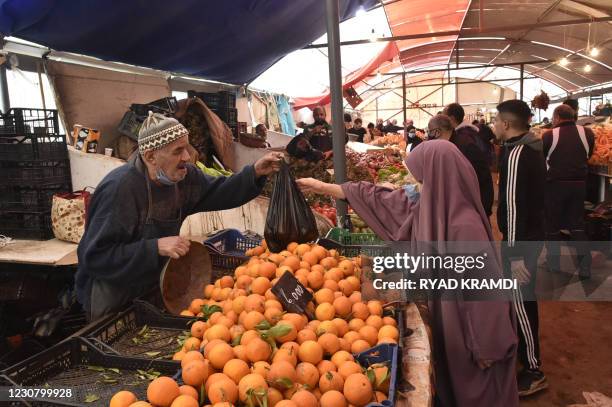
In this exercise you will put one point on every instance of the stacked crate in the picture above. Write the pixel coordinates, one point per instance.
(34, 166)
(223, 104)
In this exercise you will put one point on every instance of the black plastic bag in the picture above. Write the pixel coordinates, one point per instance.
(289, 218)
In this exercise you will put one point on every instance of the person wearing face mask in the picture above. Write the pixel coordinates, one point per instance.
(136, 212)
(412, 140)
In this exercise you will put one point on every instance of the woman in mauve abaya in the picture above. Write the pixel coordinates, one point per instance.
(474, 343)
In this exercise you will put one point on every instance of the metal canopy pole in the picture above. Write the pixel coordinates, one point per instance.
(522, 80)
(4, 91)
(404, 99)
(335, 87)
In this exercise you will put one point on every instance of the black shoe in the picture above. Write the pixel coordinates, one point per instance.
(586, 275)
(530, 382)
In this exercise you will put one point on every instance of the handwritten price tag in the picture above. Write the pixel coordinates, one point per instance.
(292, 294)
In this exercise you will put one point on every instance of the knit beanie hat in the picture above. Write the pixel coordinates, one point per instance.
(157, 131)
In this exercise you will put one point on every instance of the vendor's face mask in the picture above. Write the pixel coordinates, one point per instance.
(163, 179)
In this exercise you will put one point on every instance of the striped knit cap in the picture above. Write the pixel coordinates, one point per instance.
(158, 131)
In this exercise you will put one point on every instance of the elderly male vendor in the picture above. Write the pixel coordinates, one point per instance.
(137, 210)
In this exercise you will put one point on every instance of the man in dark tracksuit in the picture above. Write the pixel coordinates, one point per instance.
(520, 219)
(567, 149)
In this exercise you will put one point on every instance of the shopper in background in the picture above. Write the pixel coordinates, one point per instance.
(394, 128)
(487, 137)
(379, 125)
(567, 149)
(412, 140)
(358, 129)
(573, 103)
(348, 121)
(443, 126)
(520, 217)
(319, 132)
(474, 349)
(373, 133)
(409, 125)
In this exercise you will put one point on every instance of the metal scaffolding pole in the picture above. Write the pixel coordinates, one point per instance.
(522, 80)
(404, 98)
(5, 101)
(335, 87)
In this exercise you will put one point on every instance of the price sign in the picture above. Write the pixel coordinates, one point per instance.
(292, 294)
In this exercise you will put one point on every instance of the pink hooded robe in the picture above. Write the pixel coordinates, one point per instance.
(449, 209)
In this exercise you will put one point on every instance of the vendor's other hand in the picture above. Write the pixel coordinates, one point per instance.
(173, 246)
(311, 186)
(520, 272)
(268, 164)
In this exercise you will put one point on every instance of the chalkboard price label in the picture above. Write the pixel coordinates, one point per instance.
(292, 294)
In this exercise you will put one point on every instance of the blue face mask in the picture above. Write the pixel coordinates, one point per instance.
(163, 178)
(411, 192)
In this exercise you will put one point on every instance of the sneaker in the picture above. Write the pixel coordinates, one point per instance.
(530, 382)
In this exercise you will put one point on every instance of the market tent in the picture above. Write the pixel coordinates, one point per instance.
(226, 41)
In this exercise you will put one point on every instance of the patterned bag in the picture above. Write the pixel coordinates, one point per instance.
(68, 215)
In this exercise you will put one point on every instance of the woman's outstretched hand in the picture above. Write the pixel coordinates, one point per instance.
(314, 186)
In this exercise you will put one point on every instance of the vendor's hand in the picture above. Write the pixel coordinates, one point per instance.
(173, 246)
(268, 164)
(311, 186)
(520, 272)
(328, 154)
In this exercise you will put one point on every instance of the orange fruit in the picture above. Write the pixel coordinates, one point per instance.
(307, 373)
(285, 355)
(260, 285)
(358, 389)
(273, 304)
(341, 325)
(302, 273)
(286, 403)
(267, 269)
(212, 320)
(331, 381)
(260, 368)
(348, 368)
(236, 331)
(355, 297)
(311, 352)
(332, 285)
(374, 321)
(195, 373)
(292, 246)
(325, 312)
(299, 321)
(319, 268)
(211, 345)
(360, 310)
(244, 282)
(311, 258)
(191, 356)
(123, 399)
(346, 288)
(140, 404)
(304, 398)
(329, 342)
(388, 331)
(354, 281)
(252, 319)
(162, 391)
(219, 331)
(184, 401)
(315, 280)
(223, 390)
(334, 253)
(301, 249)
(226, 282)
(326, 366)
(258, 350)
(214, 378)
(333, 398)
(274, 397)
(220, 355)
(382, 379)
(327, 327)
(359, 346)
(306, 335)
(291, 335)
(238, 304)
(389, 321)
(276, 258)
(369, 334)
(236, 369)
(254, 302)
(375, 308)
(356, 324)
(279, 372)
(240, 353)
(352, 336)
(286, 253)
(248, 336)
(196, 305)
(191, 344)
(282, 270)
(273, 315)
(344, 345)
(224, 320)
(209, 289)
(379, 397)
(342, 306)
(340, 357)
(335, 274)
(189, 391)
(328, 263)
(347, 266)
(320, 251)
(251, 382)
(187, 313)
(293, 262)
(324, 295)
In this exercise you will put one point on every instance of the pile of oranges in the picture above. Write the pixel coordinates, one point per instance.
(250, 352)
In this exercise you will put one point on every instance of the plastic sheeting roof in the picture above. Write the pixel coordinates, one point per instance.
(227, 41)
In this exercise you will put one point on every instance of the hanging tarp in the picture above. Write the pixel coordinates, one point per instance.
(227, 41)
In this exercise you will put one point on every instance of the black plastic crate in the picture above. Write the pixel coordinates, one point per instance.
(168, 104)
(26, 225)
(228, 115)
(14, 147)
(212, 100)
(23, 121)
(19, 198)
(78, 365)
(35, 172)
(141, 331)
(227, 99)
(130, 125)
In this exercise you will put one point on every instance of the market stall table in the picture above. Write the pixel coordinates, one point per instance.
(51, 252)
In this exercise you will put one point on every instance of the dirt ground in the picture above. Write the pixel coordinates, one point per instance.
(576, 350)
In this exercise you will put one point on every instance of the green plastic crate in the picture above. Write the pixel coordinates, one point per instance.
(345, 237)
